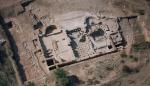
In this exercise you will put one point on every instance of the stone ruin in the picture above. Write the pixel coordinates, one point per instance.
(80, 37)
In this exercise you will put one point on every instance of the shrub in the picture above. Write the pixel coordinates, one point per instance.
(129, 70)
(126, 69)
(141, 46)
(141, 12)
(83, 38)
(61, 77)
(123, 55)
(4, 80)
(133, 58)
(30, 84)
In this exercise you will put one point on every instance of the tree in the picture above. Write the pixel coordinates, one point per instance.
(4, 80)
(83, 38)
(61, 77)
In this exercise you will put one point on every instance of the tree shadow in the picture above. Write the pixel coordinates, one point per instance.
(74, 80)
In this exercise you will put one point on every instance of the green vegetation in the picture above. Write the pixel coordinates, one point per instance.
(128, 70)
(30, 84)
(123, 55)
(4, 80)
(83, 38)
(141, 12)
(7, 74)
(141, 46)
(134, 58)
(61, 77)
(129, 57)
(92, 82)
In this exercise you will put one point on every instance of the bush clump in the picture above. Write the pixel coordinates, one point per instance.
(141, 46)
(4, 80)
(128, 70)
(30, 84)
(83, 38)
(61, 77)
(123, 55)
(134, 58)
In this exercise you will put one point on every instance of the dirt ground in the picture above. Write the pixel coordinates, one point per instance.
(104, 70)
